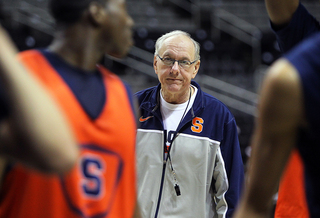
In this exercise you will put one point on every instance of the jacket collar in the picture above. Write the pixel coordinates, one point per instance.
(152, 103)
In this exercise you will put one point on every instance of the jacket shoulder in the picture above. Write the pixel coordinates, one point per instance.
(215, 105)
(145, 93)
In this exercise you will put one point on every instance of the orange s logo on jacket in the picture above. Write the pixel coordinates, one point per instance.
(197, 124)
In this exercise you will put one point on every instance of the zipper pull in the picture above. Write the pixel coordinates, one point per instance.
(177, 188)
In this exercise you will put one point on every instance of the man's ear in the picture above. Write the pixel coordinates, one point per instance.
(155, 60)
(97, 14)
(196, 69)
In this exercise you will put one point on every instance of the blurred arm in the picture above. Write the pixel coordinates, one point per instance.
(280, 114)
(280, 11)
(35, 132)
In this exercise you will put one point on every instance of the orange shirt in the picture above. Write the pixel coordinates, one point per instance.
(103, 183)
(292, 200)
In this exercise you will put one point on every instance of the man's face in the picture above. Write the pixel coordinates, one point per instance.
(119, 28)
(175, 79)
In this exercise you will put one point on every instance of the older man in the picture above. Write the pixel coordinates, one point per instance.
(189, 160)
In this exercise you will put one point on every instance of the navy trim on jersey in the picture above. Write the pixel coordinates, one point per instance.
(87, 86)
(119, 175)
(130, 96)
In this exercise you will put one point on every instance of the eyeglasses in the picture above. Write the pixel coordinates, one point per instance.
(182, 63)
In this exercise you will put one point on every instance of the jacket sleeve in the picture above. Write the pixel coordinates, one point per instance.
(229, 177)
(301, 26)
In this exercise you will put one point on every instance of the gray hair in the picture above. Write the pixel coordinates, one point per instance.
(161, 39)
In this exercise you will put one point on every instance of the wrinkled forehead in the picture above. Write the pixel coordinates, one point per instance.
(178, 45)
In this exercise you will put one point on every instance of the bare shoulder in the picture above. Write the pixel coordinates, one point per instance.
(282, 81)
(283, 77)
(281, 96)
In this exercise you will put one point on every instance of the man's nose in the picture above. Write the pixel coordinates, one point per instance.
(175, 67)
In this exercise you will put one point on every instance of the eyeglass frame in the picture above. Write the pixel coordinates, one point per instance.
(179, 61)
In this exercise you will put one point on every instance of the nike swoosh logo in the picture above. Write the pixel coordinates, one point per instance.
(141, 119)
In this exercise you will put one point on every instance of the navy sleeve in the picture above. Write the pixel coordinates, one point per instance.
(231, 154)
(305, 58)
(301, 26)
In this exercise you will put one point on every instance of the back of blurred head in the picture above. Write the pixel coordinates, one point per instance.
(108, 19)
(69, 11)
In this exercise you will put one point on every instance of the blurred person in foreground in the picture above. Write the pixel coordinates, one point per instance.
(188, 153)
(32, 128)
(288, 118)
(97, 106)
(291, 23)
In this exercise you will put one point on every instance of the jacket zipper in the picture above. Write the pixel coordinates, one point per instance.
(164, 162)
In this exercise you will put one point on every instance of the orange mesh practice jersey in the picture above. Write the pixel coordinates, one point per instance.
(292, 201)
(102, 184)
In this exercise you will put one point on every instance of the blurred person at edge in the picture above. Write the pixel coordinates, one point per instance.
(38, 138)
(296, 118)
(291, 23)
(98, 107)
